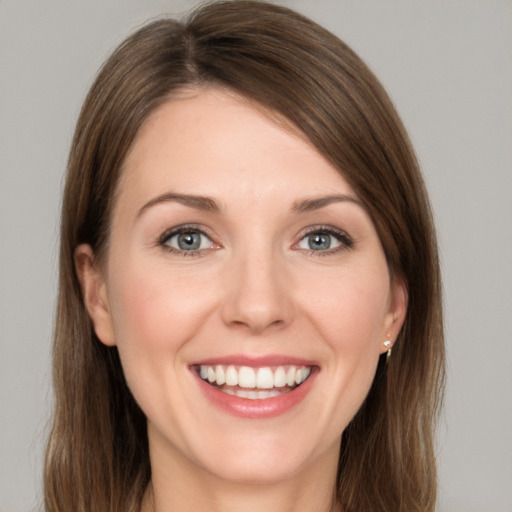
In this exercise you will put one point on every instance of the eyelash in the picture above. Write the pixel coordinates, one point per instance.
(190, 228)
(345, 241)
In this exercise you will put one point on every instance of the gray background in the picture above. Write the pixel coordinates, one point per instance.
(448, 67)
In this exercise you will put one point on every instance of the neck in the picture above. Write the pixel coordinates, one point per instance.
(249, 498)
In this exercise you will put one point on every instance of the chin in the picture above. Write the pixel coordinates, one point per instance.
(265, 458)
(257, 469)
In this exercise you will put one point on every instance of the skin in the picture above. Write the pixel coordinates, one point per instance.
(254, 288)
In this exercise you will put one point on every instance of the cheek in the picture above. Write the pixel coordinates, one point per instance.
(349, 315)
(155, 313)
(350, 311)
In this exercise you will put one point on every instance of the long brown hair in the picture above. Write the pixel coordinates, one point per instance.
(97, 457)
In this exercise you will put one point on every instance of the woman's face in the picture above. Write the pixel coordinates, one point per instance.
(239, 254)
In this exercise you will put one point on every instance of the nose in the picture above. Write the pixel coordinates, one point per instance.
(258, 294)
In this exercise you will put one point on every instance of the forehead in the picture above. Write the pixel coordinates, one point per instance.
(213, 142)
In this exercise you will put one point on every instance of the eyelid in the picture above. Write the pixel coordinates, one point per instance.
(184, 228)
(346, 241)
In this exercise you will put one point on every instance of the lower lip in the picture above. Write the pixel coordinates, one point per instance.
(260, 408)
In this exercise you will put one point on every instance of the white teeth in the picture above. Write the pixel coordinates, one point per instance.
(251, 394)
(264, 378)
(290, 376)
(280, 378)
(246, 377)
(231, 376)
(268, 394)
(221, 377)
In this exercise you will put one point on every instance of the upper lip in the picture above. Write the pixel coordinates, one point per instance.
(255, 361)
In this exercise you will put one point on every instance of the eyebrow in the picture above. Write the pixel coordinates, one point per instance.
(315, 203)
(197, 202)
(209, 205)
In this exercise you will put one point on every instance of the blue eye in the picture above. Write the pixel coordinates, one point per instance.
(324, 240)
(320, 241)
(187, 240)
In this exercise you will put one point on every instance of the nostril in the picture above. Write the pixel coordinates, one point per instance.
(258, 325)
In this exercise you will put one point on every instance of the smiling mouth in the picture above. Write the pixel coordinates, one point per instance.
(253, 383)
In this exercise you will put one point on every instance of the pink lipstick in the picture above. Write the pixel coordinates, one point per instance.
(255, 386)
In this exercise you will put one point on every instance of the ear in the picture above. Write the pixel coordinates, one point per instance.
(395, 315)
(94, 293)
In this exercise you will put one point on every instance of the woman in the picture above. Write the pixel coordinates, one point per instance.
(245, 237)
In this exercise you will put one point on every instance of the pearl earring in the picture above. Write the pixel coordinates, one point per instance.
(387, 344)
